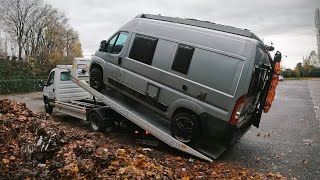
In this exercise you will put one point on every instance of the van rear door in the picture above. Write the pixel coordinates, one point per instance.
(260, 75)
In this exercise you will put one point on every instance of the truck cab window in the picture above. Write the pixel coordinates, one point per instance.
(50, 79)
(117, 42)
(182, 58)
(65, 76)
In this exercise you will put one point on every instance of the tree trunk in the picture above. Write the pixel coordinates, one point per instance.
(19, 52)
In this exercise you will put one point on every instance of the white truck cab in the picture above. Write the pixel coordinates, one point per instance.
(59, 88)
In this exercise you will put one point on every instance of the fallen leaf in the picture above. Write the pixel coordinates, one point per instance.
(305, 161)
(122, 170)
(5, 161)
(121, 151)
(185, 177)
(75, 169)
(12, 158)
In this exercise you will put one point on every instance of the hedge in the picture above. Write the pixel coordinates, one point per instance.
(21, 76)
(19, 85)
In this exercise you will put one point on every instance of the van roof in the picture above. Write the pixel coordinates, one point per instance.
(203, 24)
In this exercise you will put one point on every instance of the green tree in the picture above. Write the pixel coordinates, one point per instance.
(306, 68)
(299, 70)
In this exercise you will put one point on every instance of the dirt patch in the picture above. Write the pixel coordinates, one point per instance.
(34, 146)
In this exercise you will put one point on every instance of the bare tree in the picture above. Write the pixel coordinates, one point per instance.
(317, 24)
(41, 32)
(16, 16)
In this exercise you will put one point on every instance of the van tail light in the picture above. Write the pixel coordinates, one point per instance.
(234, 119)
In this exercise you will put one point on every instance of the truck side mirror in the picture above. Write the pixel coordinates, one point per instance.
(41, 83)
(103, 46)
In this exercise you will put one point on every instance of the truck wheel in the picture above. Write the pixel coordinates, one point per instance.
(47, 107)
(96, 79)
(95, 121)
(186, 128)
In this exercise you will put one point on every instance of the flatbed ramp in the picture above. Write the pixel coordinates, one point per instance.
(143, 117)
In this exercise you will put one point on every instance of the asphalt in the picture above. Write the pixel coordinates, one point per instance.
(288, 140)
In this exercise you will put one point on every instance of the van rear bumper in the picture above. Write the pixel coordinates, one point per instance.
(214, 129)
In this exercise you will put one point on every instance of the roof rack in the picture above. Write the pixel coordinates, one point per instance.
(203, 24)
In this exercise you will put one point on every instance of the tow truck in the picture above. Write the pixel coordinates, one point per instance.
(68, 91)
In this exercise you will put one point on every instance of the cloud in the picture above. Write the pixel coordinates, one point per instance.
(288, 23)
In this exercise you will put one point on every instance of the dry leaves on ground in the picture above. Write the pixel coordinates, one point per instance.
(39, 147)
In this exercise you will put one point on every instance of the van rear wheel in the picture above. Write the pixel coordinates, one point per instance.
(186, 128)
(96, 79)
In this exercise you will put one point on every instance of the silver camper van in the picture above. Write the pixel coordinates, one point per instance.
(208, 80)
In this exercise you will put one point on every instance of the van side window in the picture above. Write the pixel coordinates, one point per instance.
(182, 58)
(50, 79)
(116, 43)
(143, 49)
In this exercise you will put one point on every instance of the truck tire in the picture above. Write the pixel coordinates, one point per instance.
(100, 118)
(95, 121)
(96, 79)
(185, 127)
(47, 107)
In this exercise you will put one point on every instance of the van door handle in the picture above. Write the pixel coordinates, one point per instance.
(53, 90)
(119, 60)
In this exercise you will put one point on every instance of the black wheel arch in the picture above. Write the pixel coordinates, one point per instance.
(185, 110)
(198, 125)
(96, 65)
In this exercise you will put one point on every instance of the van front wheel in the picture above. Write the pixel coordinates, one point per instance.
(96, 79)
(186, 128)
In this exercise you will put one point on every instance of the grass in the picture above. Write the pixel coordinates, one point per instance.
(301, 78)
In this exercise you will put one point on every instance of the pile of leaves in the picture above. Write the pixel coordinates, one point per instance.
(34, 146)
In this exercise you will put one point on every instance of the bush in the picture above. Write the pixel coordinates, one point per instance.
(20, 76)
(19, 86)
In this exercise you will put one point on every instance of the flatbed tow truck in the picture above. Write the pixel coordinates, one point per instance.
(99, 109)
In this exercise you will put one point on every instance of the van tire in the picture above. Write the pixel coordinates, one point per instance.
(184, 120)
(96, 79)
(47, 107)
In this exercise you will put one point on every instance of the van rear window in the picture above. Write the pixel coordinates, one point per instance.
(143, 49)
(182, 58)
(262, 57)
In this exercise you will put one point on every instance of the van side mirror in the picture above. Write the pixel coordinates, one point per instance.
(103, 46)
(41, 83)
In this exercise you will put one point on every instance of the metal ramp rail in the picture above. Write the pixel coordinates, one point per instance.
(145, 119)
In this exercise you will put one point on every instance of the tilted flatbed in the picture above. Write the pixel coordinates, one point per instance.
(130, 109)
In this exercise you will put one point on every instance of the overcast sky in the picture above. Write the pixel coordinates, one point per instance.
(289, 24)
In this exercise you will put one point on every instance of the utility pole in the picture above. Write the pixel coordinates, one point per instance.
(67, 47)
(68, 39)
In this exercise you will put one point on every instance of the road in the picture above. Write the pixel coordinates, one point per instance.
(288, 140)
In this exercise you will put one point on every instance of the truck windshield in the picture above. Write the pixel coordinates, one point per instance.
(65, 76)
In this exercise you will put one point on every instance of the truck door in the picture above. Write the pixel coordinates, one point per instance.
(50, 86)
(115, 55)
